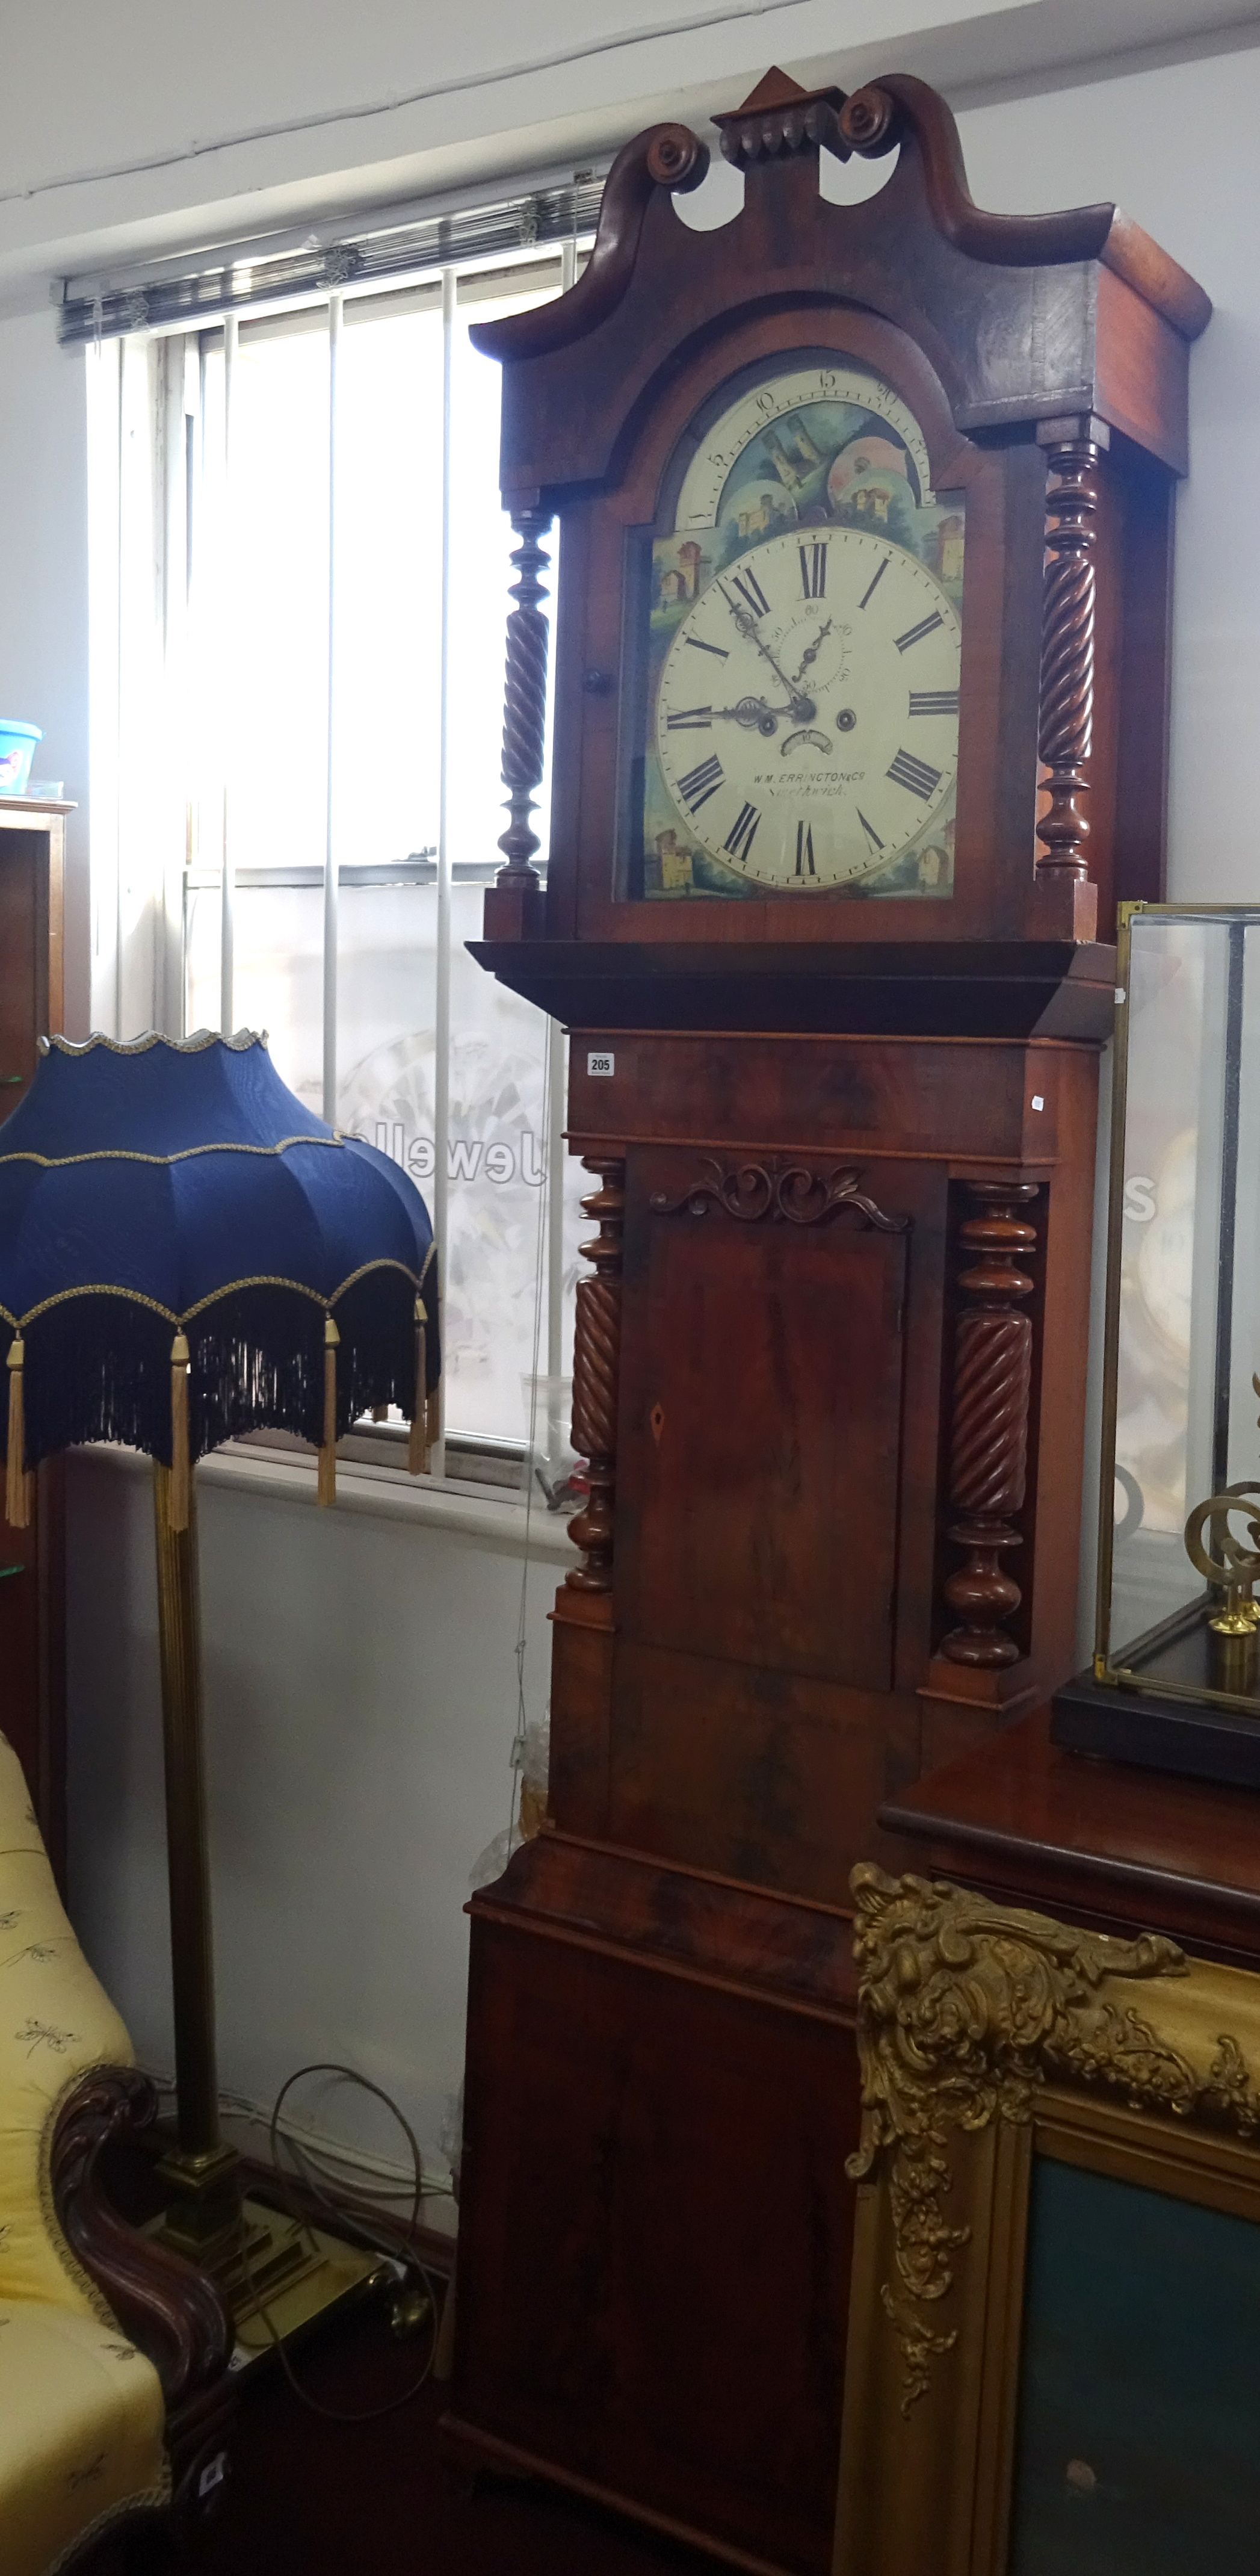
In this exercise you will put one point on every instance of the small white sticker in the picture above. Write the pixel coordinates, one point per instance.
(602, 1064)
(1037, 1100)
(1120, 996)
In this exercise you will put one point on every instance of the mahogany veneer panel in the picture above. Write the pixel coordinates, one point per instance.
(771, 1775)
(750, 1346)
(659, 2065)
(1094, 1838)
(950, 1099)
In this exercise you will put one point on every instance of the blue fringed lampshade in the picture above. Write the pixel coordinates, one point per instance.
(187, 1254)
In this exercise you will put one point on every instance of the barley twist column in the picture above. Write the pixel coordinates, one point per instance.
(989, 1440)
(525, 701)
(596, 1366)
(1069, 620)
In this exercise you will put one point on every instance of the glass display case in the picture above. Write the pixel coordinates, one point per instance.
(1176, 1673)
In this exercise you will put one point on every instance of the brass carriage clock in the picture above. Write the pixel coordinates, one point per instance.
(861, 691)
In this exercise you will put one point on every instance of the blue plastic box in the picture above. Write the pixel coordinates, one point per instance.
(17, 751)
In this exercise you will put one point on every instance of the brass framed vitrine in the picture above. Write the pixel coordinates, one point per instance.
(1176, 1669)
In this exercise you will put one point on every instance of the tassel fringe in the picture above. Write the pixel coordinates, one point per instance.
(180, 1480)
(419, 1441)
(17, 1484)
(102, 1367)
(327, 1489)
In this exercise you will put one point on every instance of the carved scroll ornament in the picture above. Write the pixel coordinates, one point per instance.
(785, 1192)
(965, 2008)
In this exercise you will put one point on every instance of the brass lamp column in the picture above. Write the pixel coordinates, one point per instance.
(203, 2217)
(274, 1337)
(267, 2265)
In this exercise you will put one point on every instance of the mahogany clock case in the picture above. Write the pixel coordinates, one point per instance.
(803, 1414)
(829, 1359)
(1012, 341)
(998, 688)
(851, 1285)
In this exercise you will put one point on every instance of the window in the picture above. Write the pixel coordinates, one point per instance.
(300, 584)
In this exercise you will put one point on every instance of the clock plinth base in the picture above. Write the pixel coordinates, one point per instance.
(666, 2039)
(1063, 907)
(963, 1704)
(516, 911)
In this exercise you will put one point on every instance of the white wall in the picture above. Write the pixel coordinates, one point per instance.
(154, 121)
(1176, 148)
(360, 1672)
(360, 1704)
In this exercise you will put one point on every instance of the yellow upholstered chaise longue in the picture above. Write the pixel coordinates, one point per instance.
(114, 2393)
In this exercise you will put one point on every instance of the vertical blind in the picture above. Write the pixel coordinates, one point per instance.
(299, 587)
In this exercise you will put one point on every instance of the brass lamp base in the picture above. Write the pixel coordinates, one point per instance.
(288, 2276)
(276, 2274)
(203, 2212)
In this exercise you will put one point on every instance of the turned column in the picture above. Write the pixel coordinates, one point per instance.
(989, 1437)
(596, 1367)
(1069, 622)
(513, 903)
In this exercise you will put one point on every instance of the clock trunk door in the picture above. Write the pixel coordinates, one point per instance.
(760, 1437)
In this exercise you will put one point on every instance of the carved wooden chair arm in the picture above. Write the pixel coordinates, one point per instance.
(173, 2311)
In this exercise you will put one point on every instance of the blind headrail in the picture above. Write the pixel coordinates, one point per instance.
(351, 255)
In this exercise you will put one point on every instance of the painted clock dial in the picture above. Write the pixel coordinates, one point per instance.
(802, 655)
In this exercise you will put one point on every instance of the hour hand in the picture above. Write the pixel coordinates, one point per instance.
(754, 713)
(801, 707)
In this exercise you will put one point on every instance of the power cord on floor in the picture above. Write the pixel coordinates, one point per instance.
(351, 2209)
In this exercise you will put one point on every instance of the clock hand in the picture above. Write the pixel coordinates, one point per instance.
(801, 707)
(813, 650)
(754, 711)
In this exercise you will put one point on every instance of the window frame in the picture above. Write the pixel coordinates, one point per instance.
(153, 379)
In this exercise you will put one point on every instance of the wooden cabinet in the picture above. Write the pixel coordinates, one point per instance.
(32, 1561)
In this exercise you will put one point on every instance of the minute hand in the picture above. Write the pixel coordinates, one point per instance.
(802, 708)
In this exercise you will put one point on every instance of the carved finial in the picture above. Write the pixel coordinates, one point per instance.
(779, 118)
(677, 159)
(870, 122)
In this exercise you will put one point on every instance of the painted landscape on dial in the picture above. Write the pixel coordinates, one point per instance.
(804, 634)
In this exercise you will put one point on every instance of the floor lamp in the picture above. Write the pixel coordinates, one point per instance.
(188, 1254)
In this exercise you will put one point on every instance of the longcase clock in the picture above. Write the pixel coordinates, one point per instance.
(861, 720)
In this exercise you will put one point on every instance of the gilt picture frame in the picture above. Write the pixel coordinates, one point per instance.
(1053, 2367)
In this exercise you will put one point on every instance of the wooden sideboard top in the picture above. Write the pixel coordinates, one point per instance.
(1094, 1839)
